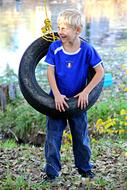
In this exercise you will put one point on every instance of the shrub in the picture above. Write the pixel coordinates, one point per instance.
(21, 119)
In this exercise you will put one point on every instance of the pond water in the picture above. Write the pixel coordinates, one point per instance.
(105, 26)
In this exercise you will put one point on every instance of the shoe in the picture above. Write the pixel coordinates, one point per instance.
(48, 178)
(87, 174)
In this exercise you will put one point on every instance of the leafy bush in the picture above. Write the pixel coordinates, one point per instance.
(109, 116)
(105, 117)
(22, 120)
(117, 124)
(109, 107)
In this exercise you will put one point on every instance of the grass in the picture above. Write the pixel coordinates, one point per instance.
(21, 172)
(8, 144)
(10, 183)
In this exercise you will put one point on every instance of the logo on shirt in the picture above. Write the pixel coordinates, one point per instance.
(69, 64)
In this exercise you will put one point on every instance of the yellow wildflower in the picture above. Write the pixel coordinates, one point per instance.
(99, 123)
(123, 112)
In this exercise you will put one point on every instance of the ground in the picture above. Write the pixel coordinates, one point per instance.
(21, 167)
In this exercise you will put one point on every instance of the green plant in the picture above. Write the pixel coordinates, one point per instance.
(11, 182)
(109, 116)
(117, 124)
(22, 120)
(18, 183)
(8, 144)
(109, 107)
(101, 182)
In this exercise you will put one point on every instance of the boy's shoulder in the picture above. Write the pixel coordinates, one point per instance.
(56, 44)
(86, 44)
(89, 48)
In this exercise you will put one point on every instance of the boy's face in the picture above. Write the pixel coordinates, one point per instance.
(67, 33)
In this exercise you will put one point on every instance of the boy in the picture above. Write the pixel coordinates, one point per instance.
(68, 61)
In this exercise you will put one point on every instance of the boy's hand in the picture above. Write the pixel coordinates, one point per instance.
(82, 99)
(60, 102)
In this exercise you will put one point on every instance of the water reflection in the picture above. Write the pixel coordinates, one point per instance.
(21, 22)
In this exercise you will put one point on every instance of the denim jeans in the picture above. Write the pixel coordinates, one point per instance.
(81, 149)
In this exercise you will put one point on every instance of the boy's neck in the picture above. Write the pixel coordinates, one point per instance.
(72, 46)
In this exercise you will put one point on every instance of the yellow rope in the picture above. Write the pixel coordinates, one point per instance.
(45, 9)
(47, 32)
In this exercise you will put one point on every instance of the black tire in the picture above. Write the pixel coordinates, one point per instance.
(36, 96)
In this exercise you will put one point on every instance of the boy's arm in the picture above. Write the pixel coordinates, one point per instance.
(83, 96)
(60, 102)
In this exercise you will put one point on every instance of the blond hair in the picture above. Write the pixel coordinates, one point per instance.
(71, 17)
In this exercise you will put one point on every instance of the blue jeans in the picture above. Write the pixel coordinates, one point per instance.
(81, 149)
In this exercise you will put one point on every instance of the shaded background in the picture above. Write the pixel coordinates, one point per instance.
(104, 26)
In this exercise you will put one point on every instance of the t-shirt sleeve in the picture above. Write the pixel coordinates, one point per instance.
(50, 57)
(93, 57)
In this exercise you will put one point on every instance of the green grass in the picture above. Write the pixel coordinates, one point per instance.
(101, 182)
(8, 144)
(102, 149)
(19, 183)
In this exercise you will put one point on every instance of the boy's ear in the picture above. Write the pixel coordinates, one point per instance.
(78, 29)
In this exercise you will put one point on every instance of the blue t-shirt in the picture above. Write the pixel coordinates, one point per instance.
(71, 69)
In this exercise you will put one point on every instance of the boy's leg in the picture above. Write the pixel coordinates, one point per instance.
(81, 147)
(54, 133)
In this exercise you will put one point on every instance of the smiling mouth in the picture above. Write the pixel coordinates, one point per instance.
(63, 37)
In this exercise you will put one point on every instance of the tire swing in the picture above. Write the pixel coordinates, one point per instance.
(36, 96)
